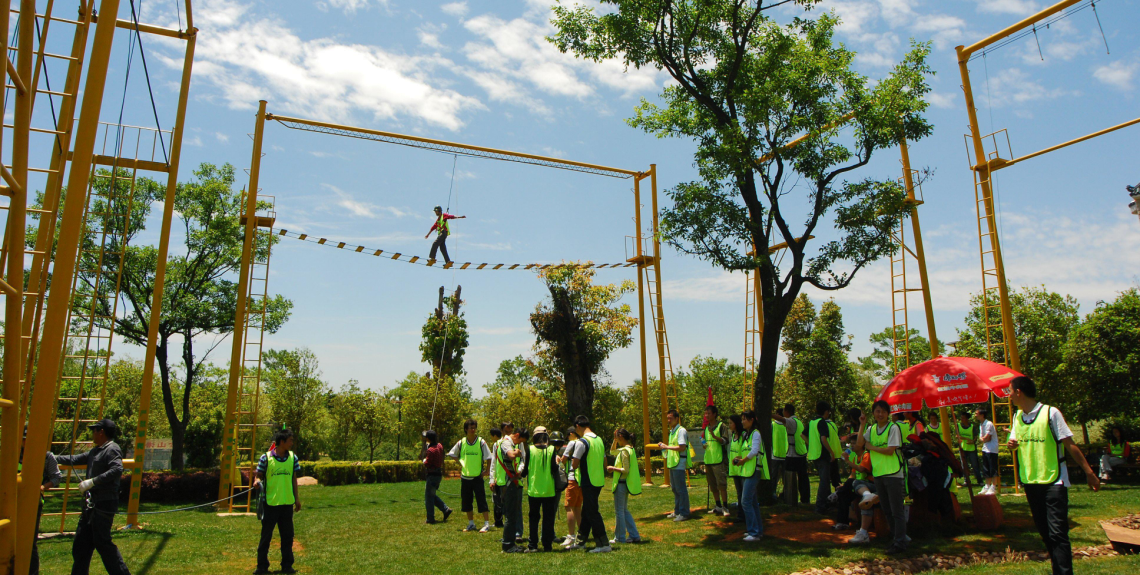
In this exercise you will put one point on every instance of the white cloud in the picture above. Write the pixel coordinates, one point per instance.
(362, 209)
(457, 9)
(1017, 7)
(194, 141)
(221, 137)
(348, 6)
(941, 100)
(1014, 87)
(1117, 74)
(246, 59)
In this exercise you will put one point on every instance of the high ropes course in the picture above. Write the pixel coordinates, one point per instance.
(448, 265)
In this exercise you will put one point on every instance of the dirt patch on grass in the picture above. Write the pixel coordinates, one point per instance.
(812, 531)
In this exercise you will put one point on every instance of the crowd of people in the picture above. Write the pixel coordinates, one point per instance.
(891, 463)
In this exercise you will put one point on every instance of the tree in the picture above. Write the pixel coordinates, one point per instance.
(725, 379)
(745, 89)
(343, 408)
(439, 403)
(577, 329)
(375, 420)
(445, 336)
(520, 395)
(199, 298)
(1099, 376)
(296, 396)
(881, 362)
(817, 359)
(1042, 322)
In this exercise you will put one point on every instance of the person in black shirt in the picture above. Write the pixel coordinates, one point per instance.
(104, 470)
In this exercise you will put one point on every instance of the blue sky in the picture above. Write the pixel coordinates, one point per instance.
(481, 72)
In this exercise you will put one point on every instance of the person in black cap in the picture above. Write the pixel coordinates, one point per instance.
(104, 470)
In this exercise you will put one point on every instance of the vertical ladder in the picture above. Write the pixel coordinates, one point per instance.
(658, 314)
(751, 334)
(900, 319)
(247, 451)
(997, 349)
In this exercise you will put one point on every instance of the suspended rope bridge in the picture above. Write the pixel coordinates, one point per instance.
(406, 258)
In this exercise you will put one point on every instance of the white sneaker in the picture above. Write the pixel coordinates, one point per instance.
(869, 500)
(680, 518)
(752, 538)
(570, 540)
(724, 512)
(486, 527)
(669, 515)
(861, 537)
(605, 549)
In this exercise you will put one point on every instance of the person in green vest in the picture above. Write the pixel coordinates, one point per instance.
(588, 460)
(795, 464)
(442, 229)
(753, 467)
(735, 433)
(472, 453)
(573, 502)
(716, 468)
(823, 448)
(846, 494)
(496, 495)
(968, 432)
(779, 452)
(677, 462)
(1039, 439)
(1118, 452)
(541, 495)
(627, 481)
(904, 426)
(277, 471)
(884, 440)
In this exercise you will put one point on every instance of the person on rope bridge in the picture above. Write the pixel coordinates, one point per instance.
(442, 230)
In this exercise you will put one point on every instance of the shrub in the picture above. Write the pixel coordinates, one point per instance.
(354, 472)
(190, 486)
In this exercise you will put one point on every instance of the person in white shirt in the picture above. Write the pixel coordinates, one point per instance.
(677, 460)
(1040, 448)
(987, 435)
(467, 451)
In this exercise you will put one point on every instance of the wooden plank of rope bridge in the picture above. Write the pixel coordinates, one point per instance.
(322, 241)
(378, 252)
(413, 260)
(396, 256)
(497, 266)
(481, 266)
(340, 245)
(464, 266)
(282, 232)
(359, 249)
(302, 236)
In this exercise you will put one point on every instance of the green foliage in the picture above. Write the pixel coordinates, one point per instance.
(577, 329)
(1099, 376)
(445, 338)
(440, 403)
(745, 88)
(818, 369)
(296, 395)
(377, 418)
(332, 473)
(520, 394)
(881, 362)
(343, 422)
(1042, 323)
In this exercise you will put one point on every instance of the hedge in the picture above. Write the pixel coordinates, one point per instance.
(354, 472)
(190, 486)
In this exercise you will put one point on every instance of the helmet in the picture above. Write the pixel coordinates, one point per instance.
(556, 439)
(438, 209)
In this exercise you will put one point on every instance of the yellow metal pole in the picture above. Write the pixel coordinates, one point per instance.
(983, 170)
(227, 462)
(160, 282)
(646, 438)
(1002, 165)
(50, 359)
(14, 299)
(920, 256)
(664, 385)
(1027, 22)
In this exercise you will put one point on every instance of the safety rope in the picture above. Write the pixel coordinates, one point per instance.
(113, 513)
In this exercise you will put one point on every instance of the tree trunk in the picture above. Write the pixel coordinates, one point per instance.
(176, 428)
(579, 394)
(1085, 430)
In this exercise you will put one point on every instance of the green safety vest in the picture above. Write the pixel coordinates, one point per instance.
(854, 459)
(967, 434)
(441, 226)
(779, 440)
(596, 461)
(541, 481)
(471, 457)
(1116, 449)
(798, 438)
(734, 470)
(906, 429)
(279, 480)
(815, 447)
(1038, 459)
(632, 475)
(748, 469)
(882, 465)
(714, 453)
(673, 457)
(500, 468)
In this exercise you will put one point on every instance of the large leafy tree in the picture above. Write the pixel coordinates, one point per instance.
(376, 419)
(522, 395)
(818, 369)
(578, 328)
(200, 295)
(745, 89)
(1099, 376)
(297, 396)
(445, 336)
(881, 361)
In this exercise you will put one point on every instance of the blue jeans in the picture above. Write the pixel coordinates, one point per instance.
(624, 517)
(431, 500)
(680, 492)
(823, 468)
(752, 524)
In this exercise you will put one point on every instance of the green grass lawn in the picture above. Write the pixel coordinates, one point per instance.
(379, 529)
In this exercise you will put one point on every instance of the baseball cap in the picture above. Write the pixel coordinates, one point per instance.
(538, 430)
(107, 426)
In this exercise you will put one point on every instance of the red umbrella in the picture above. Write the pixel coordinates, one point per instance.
(947, 381)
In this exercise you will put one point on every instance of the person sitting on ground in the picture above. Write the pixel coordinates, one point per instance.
(573, 492)
(627, 481)
(863, 488)
(472, 454)
(278, 470)
(443, 231)
(1118, 452)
